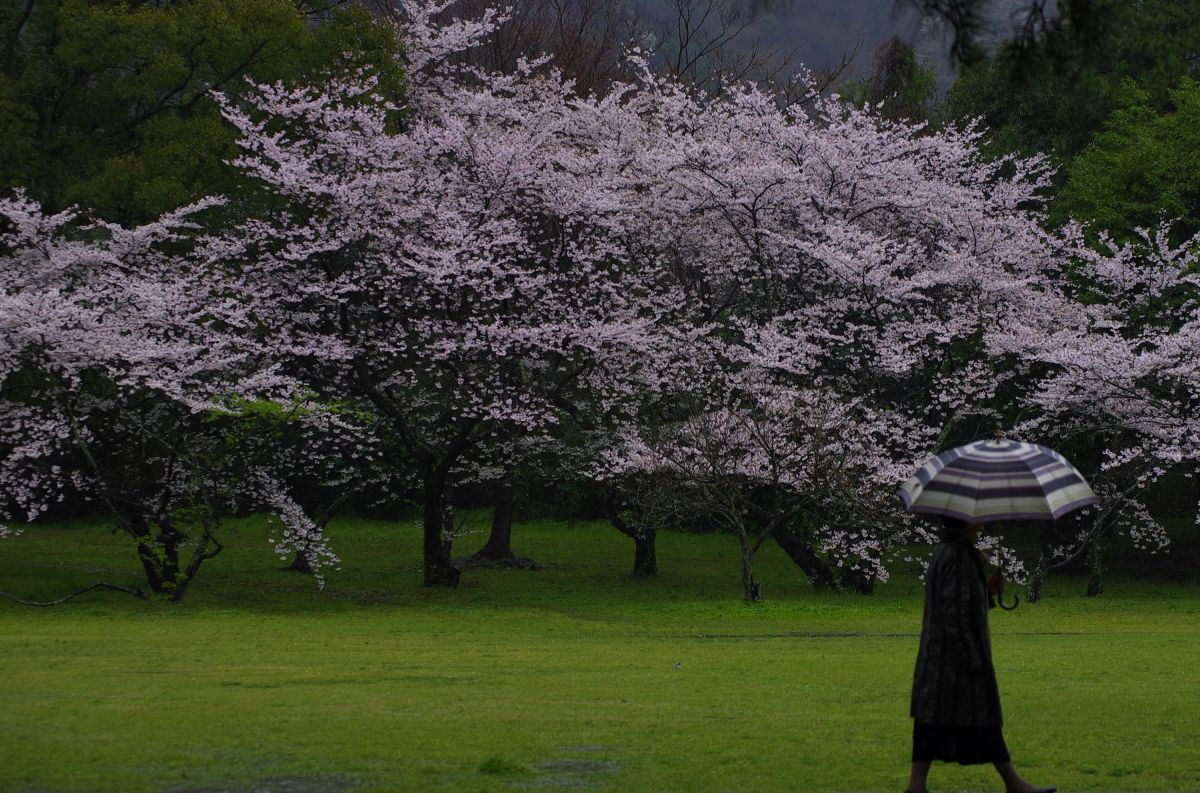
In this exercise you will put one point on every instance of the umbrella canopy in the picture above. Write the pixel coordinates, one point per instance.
(997, 480)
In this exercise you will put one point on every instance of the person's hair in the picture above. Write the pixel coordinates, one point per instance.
(952, 527)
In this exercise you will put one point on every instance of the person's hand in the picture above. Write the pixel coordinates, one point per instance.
(996, 583)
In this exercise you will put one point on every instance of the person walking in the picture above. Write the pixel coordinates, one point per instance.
(955, 700)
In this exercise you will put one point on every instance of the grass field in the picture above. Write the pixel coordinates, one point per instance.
(573, 677)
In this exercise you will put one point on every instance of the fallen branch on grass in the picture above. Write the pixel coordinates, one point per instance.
(137, 593)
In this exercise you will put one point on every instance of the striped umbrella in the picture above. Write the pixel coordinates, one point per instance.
(997, 480)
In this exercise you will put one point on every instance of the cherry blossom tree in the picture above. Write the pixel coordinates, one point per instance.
(1124, 392)
(846, 264)
(106, 371)
(467, 263)
(848, 274)
(118, 387)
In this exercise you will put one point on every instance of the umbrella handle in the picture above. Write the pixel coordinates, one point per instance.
(1000, 599)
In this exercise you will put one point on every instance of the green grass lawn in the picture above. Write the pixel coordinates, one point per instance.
(573, 677)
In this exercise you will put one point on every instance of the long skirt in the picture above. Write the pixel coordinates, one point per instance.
(962, 745)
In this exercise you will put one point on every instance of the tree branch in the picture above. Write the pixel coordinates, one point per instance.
(137, 593)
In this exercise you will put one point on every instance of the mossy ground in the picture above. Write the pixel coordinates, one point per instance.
(572, 677)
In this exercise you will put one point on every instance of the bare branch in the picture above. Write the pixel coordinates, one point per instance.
(137, 593)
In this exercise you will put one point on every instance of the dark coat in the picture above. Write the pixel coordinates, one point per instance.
(955, 682)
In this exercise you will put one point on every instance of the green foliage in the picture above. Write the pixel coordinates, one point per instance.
(265, 416)
(587, 678)
(900, 85)
(1052, 95)
(107, 103)
(1144, 167)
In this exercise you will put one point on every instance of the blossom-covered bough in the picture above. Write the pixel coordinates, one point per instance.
(304, 462)
(122, 386)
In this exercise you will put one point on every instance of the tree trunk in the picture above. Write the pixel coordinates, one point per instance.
(157, 574)
(751, 590)
(499, 544)
(645, 554)
(498, 551)
(1040, 569)
(816, 568)
(860, 581)
(438, 566)
(200, 554)
(299, 564)
(1095, 560)
(159, 555)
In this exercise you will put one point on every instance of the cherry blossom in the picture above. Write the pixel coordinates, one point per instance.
(758, 312)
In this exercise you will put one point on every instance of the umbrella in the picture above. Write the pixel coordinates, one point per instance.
(997, 479)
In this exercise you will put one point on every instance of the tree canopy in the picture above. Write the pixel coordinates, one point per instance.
(1142, 169)
(109, 104)
(1051, 93)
